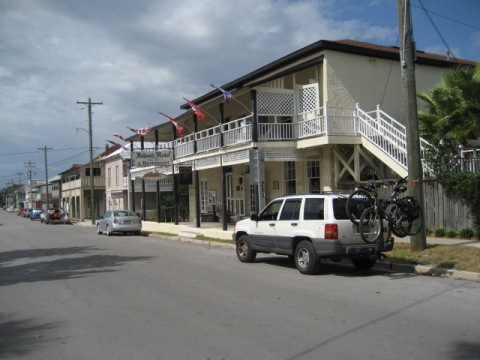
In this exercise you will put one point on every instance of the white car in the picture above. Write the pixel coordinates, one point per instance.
(307, 228)
(119, 221)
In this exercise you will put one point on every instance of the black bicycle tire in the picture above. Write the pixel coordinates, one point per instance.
(354, 211)
(413, 220)
(371, 217)
(393, 213)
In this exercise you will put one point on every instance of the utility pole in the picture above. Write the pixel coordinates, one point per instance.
(46, 169)
(30, 166)
(407, 58)
(92, 185)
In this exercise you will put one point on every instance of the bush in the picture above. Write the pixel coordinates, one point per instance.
(440, 232)
(451, 234)
(467, 233)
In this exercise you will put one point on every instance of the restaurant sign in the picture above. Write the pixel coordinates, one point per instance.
(152, 158)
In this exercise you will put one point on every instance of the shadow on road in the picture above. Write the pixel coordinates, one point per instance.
(57, 269)
(18, 337)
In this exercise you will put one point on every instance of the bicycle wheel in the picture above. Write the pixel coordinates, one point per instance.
(393, 214)
(411, 220)
(357, 202)
(370, 225)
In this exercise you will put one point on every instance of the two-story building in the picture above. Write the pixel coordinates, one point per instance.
(76, 187)
(315, 120)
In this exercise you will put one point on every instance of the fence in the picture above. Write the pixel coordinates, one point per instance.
(443, 210)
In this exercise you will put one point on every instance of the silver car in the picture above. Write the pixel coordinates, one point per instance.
(119, 221)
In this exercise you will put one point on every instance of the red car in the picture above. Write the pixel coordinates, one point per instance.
(57, 216)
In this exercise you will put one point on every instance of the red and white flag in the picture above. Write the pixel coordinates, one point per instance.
(179, 127)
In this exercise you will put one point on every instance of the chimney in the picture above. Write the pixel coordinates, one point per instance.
(107, 147)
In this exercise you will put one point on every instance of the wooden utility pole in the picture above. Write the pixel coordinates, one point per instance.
(46, 171)
(92, 185)
(414, 163)
(30, 166)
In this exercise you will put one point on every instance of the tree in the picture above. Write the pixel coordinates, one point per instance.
(453, 116)
(453, 119)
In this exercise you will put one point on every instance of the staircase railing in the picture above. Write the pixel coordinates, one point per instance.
(388, 135)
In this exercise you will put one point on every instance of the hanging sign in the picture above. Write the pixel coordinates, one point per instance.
(152, 158)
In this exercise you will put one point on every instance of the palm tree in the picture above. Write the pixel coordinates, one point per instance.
(453, 116)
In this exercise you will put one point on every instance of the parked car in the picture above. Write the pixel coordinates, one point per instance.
(306, 228)
(21, 212)
(34, 214)
(55, 216)
(119, 221)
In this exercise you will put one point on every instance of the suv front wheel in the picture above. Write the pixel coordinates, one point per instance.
(244, 250)
(306, 258)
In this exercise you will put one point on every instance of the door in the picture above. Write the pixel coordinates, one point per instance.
(264, 232)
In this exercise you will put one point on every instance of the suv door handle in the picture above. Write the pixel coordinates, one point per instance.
(294, 224)
(272, 224)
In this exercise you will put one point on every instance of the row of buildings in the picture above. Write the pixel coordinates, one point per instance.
(318, 119)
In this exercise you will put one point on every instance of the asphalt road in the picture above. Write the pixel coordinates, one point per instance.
(68, 293)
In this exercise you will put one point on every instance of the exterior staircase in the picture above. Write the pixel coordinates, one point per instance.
(386, 139)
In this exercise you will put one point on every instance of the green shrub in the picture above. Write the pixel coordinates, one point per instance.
(451, 234)
(467, 233)
(440, 232)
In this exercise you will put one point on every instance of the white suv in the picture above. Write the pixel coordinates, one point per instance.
(307, 228)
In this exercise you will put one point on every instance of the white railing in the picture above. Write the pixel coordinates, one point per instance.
(388, 135)
(238, 131)
(340, 121)
(184, 147)
(208, 139)
(282, 131)
(312, 123)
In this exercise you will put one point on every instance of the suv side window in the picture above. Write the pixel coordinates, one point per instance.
(271, 211)
(291, 209)
(314, 209)
(340, 208)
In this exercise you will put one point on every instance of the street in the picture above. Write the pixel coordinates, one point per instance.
(68, 293)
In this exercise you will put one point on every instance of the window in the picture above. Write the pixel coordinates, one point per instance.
(289, 177)
(271, 211)
(117, 175)
(314, 209)
(313, 174)
(340, 208)
(96, 171)
(203, 196)
(291, 209)
(109, 172)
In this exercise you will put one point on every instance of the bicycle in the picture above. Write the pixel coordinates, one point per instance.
(361, 199)
(401, 216)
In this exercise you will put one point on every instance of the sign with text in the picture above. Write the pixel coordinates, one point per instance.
(152, 158)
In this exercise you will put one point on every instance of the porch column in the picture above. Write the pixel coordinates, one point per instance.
(175, 195)
(224, 199)
(327, 166)
(254, 116)
(158, 200)
(144, 203)
(133, 194)
(197, 200)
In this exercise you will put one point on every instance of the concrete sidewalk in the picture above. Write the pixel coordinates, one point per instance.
(214, 230)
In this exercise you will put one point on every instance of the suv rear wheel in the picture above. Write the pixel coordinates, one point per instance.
(306, 258)
(244, 250)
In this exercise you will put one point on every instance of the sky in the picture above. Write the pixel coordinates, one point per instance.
(144, 56)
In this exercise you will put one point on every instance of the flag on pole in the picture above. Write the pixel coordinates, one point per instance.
(140, 131)
(120, 137)
(227, 95)
(197, 110)
(175, 123)
(117, 144)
